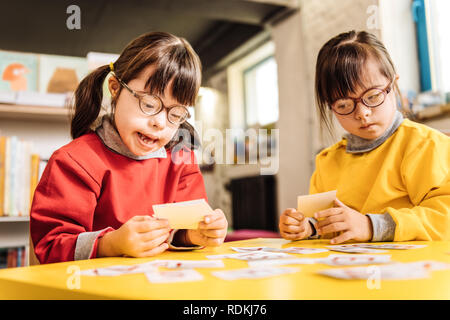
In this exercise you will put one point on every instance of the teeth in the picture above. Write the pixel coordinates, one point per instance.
(144, 138)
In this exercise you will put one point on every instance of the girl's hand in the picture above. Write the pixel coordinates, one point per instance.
(210, 232)
(141, 236)
(351, 224)
(294, 226)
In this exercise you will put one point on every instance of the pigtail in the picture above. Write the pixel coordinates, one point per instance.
(88, 101)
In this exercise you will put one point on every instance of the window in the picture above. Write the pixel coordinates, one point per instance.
(253, 88)
(431, 17)
(261, 93)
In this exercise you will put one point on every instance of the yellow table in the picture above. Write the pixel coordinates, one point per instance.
(54, 281)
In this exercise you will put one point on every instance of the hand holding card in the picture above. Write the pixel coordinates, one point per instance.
(183, 215)
(211, 231)
(312, 203)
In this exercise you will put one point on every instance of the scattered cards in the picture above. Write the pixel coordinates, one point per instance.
(280, 262)
(251, 256)
(346, 260)
(353, 249)
(119, 270)
(297, 250)
(310, 204)
(390, 246)
(188, 264)
(173, 276)
(397, 271)
(253, 273)
(183, 215)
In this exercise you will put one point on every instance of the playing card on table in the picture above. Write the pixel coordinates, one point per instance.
(386, 272)
(188, 264)
(251, 256)
(253, 273)
(183, 215)
(297, 250)
(430, 265)
(118, 270)
(392, 246)
(354, 249)
(346, 260)
(173, 276)
(280, 262)
(310, 204)
(248, 249)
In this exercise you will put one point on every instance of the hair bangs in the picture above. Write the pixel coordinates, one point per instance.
(182, 70)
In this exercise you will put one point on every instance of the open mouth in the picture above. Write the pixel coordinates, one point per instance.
(147, 140)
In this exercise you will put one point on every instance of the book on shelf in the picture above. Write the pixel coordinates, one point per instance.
(13, 257)
(20, 171)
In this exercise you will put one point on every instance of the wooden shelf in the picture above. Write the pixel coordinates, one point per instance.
(14, 219)
(21, 112)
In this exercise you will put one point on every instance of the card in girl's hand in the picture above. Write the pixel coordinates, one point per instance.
(310, 204)
(352, 249)
(183, 215)
(173, 276)
(346, 260)
(253, 273)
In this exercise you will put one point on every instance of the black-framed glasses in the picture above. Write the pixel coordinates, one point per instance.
(371, 98)
(152, 105)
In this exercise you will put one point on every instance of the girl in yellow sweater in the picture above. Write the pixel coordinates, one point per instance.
(392, 175)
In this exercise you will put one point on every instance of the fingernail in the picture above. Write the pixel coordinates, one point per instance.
(207, 220)
(332, 241)
(315, 215)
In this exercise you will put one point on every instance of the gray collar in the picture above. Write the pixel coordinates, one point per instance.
(111, 138)
(357, 144)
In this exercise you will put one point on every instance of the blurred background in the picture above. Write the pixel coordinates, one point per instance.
(258, 60)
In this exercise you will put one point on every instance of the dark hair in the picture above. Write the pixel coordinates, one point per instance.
(339, 69)
(173, 58)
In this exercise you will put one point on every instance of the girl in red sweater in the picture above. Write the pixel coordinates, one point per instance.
(96, 194)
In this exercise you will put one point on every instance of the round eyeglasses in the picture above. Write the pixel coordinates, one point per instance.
(152, 105)
(371, 98)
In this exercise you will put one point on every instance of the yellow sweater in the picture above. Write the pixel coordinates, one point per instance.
(408, 176)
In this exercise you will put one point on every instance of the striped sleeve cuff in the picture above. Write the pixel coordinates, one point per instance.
(314, 234)
(383, 227)
(87, 243)
(176, 248)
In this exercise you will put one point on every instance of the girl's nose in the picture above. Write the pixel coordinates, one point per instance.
(158, 121)
(362, 111)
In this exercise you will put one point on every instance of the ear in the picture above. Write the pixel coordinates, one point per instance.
(113, 86)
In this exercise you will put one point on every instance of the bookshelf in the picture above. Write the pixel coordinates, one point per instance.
(29, 123)
(22, 112)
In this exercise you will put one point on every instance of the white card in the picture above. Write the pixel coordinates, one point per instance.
(253, 273)
(350, 260)
(188, 264)
(386, 272)
(310, 204)
(183, 215)
(183, 275)
(251, 256)
(297, 250)
(118, 270)
(354, 249)
(280, 262)
(391, 246)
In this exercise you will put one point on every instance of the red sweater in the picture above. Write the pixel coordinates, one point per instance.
(87, 187)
